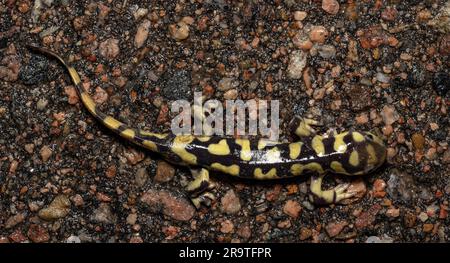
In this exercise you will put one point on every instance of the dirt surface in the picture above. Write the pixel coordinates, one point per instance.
(365, 65)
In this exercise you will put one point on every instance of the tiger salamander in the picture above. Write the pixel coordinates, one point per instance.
(349, 153)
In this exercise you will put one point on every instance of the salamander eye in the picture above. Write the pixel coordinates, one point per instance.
(370, 136)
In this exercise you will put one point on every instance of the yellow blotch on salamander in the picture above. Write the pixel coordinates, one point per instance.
(295, 149)
(150, 145)
(232, 169)
(317, 145)
(179, 147)
(315, 167)
(354, 158)
(246, 152)
(339, 144)
(128, 133)
(357, 137)
(262, 143)
(272, 155)
(372, 155)
(157, 135)
(337, 167)
(112, 123)
(220, 148)
(271, 174)
(88, 102)
(297, 169)
(203, 138)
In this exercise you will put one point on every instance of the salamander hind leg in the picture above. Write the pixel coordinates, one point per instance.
(303, 127)
(331, 196)
(199, 189)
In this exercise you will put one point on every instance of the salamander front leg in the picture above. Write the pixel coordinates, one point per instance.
(302, 127)
(199, 189)
(332, 196)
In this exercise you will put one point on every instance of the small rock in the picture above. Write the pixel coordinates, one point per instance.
(38, 234)
(109, 48)
(409, 219)
(41, 104)
(327, 51)
(389, 14)
(180, 31)
(230, 203)
(427, 228)
(401, 186)
(292, 208)
(140, 12)
(131, 219)
(375, 239)
(226, 84)
(46, 152)
(305, 233)
(423, 216)
(378, 188)
(9, 68)
(103, 214)
(171, 232)
(300, 15)
(393, 212)
(58, 208)
(330, 6)
(418, 141)
(441, 83)
(226, 227)
(72, 95)
(133, 156)
(296, 65)
(177, 208)
(358, 188)
(141, 177)
(318, 34)
(29, 147)
(142, 33)
(244, 231)
(333, 229)
(383, 78)
(368, 217)
(73, 239)
(100, 96)
(164, 172)
(389, 115)
(14, 220)
(230, 94)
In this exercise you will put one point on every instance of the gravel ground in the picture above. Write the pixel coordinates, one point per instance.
(368, 65)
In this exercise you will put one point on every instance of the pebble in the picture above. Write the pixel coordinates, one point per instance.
(389, 115)
(133, 155)
(375, 239)
(140, 12)
(109, 48)
(45, 152)
(305, 233)
(383, 78)
(41, 104)
(393, 212)
(164, 172)
(103, 214)
(367, 218)
(318, 34)
(230, 94)
(423, 216)
(226, 84)
(302, 41)
(141, 177)
(334, 228)
(100, 96)
(227, 227)
(177, 208)
(58, 208)
(378, 188)
(9, 68)
(131, 219)
(292, 208)
(330, 6)
(418, 141)
(441, 83)
(389, 14)
(142, 34)
(29, 147)
(14, 220)
(73, 239)
(358, 187)
(327, 51)
(401, 186)
(296, 65)
(38, 234)
(230, 202)
(180, 31)
(300, 15)
(72, 95)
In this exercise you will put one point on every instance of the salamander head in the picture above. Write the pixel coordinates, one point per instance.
(375, 151)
